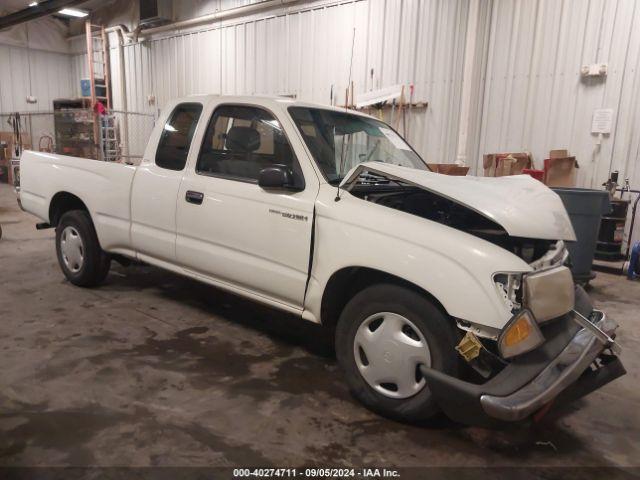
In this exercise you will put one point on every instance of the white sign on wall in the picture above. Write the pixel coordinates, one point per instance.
(602, 120)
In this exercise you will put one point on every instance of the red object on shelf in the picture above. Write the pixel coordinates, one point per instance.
(537, 174)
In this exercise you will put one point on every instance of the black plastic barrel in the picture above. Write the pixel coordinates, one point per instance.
(609, 246)
(585, 208)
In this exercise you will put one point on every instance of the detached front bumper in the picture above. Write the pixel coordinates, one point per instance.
(570, 364)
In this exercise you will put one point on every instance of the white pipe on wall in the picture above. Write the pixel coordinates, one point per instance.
(132, 36)
(468, 89)
(123, 92)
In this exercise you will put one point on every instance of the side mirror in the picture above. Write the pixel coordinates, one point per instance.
(276, 177)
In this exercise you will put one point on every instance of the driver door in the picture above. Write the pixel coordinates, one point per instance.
(229, 229)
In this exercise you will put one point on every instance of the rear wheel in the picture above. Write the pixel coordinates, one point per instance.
(384, 335)
(81, 259)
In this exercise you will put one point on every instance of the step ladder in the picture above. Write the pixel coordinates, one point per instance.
(109, 143)
(100, 90)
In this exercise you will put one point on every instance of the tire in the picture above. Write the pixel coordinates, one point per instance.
(81, 259)
(413, 311)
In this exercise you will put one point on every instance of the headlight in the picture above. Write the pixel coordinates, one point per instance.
(520, 335)
(549, 293)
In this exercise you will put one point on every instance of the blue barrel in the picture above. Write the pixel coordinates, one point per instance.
(585, 208)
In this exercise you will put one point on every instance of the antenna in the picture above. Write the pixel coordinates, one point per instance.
(346, 104)
(353, 42)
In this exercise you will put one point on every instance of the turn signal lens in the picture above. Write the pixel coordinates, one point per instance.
(520, 335)
(518, 332)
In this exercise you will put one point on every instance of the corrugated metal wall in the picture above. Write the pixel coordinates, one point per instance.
(521, 58)
(305, 51)
(24, 72)
(535, 98)
(42, 74)
(526, 89)
(34, 60)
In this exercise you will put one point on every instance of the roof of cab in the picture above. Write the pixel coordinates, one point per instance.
(268, 101)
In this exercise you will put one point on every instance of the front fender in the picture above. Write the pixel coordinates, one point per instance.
(453, 266)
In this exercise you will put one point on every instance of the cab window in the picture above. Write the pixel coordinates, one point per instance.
(242, 140)
(176, 136)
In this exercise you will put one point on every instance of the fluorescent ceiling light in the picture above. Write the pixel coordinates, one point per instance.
(72, 12)
(33, 4)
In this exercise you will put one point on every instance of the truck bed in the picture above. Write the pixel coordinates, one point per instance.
(104, 187)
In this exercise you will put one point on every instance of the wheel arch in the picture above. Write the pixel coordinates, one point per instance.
(63, 202)
(348, 281)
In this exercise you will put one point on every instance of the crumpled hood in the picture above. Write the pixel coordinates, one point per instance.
(523, 206)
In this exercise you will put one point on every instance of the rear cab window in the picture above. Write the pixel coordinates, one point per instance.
(175, 140)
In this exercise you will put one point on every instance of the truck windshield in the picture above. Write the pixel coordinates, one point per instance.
(340, 141)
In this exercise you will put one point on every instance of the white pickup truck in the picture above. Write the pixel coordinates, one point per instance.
(445, 293)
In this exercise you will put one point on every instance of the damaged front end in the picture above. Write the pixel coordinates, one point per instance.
(574, 360)
(555, 348)
(556, 345)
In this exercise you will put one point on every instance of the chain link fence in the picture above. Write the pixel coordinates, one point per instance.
(135, 130)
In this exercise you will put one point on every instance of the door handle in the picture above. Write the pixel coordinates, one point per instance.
(194, 197)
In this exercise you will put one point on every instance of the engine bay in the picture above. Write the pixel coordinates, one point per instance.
(434, 207)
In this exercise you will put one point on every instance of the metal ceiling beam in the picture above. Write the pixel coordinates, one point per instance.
(43, 8)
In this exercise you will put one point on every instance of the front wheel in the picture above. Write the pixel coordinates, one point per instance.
(81, 259)
(385, 333)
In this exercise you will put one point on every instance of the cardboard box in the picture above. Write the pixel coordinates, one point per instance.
(489, 164)
(502, 164)
(449, 169)
(560, 172)
(558, 153)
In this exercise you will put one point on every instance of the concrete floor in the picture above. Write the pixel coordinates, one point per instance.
(155, 369)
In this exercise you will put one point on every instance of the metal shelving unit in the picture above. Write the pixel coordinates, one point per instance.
(74, 123)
